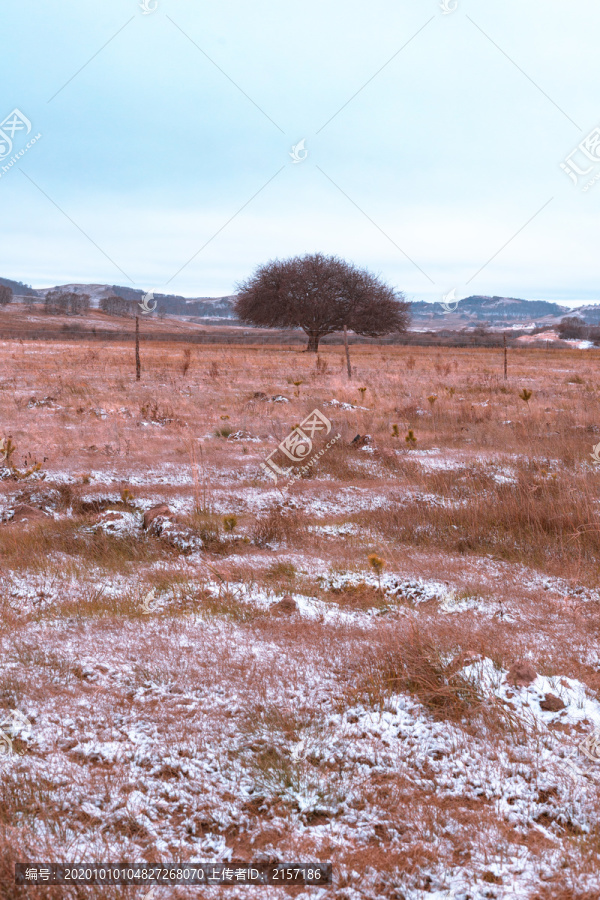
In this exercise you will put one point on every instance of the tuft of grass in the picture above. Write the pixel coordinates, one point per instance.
(279, 524)
(361, 596)
(411, 662)
(281, 570)
(97, 603)
(207, 526)
(23, 796)
(227, 605)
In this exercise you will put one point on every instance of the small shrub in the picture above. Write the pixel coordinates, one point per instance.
(7, 448)
(7, 451)
(377, 564)
(526, 395)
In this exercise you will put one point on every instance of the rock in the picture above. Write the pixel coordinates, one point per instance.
(26, 513)
(172, 532)
(552, 703)
(522, 673)
(161, 510)
(287, 605)
(243, 436)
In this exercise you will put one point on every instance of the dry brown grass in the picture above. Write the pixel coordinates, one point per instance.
(211, 693)
(545, 519)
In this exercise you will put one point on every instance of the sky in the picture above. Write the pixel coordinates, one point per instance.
(428, 137)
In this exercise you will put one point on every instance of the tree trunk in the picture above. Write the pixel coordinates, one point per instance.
(313, 342)
(347, 352)
(505, 358)
(138, 365)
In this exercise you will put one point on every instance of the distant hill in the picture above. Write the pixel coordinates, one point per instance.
(590, 314)
(23, 290)
(174, 305)
(471, 312)
(169, 304)
(495, 312)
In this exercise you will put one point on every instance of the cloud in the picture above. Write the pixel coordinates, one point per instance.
(445, 136)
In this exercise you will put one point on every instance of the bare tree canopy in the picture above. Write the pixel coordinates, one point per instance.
(66, 302)
(320, 294)
(117, 306)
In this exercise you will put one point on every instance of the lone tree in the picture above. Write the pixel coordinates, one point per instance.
(6, 294)
(320, 294)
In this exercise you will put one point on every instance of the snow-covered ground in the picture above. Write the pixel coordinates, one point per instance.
(355, 671)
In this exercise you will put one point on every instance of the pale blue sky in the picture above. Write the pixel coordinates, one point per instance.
(451, 145)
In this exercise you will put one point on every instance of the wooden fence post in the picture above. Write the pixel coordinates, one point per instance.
(138, 365)
(349, 367)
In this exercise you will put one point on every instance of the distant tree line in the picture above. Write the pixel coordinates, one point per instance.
(66, 303)
(573, 328)
(118, 306)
